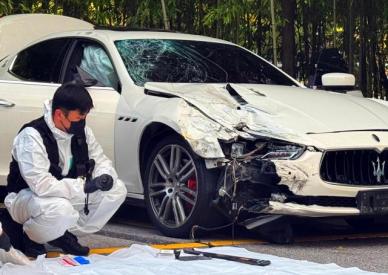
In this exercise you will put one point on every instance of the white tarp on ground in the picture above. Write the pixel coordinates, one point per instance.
(144, 260)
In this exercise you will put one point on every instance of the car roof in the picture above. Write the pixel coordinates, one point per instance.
(135, 34)
(33, 28)
(17, 31)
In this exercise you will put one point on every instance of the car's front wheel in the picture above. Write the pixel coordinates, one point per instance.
(178, 188)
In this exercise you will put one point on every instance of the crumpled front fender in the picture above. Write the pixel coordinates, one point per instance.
(200, 131)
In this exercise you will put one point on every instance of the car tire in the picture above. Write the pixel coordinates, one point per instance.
(178, 188)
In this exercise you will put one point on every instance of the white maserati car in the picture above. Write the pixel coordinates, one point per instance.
(198, 126)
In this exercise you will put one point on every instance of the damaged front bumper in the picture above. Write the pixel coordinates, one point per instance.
(255, 186)
(294, 209)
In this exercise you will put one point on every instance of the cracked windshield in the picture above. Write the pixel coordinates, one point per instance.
(181, 61)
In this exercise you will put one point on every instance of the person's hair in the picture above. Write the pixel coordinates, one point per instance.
(71, 97)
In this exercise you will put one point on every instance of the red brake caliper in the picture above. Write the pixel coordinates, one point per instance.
(192, 185)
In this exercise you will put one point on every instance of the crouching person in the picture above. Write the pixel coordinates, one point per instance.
(56, 164)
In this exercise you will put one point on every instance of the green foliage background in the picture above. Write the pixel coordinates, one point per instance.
(360, 32)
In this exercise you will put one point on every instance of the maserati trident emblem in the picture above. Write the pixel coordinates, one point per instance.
(378, 169)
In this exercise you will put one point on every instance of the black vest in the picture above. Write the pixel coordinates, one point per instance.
(79, 150)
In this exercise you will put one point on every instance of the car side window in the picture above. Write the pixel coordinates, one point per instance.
(90, 63)
(41, 62)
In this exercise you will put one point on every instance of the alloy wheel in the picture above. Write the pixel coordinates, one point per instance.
(173, 185)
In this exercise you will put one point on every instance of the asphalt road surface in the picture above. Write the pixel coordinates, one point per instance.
(317, 240)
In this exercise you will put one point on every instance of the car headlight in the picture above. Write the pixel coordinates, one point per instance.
(283, 151)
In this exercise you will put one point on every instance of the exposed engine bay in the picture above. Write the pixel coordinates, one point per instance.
(250, 178)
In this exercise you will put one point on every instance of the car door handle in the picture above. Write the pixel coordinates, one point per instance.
(6, 103)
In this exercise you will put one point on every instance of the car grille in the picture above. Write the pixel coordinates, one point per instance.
(355, 167)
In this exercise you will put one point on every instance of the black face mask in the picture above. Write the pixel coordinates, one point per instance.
(77, 127)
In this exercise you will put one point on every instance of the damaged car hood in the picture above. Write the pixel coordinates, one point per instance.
(283, 112)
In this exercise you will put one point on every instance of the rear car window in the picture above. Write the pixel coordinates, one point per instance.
(41, 62)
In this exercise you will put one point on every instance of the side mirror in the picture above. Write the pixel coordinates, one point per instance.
(338, 82)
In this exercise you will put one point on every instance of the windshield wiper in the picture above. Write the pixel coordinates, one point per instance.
(3, 58)
(240, 100)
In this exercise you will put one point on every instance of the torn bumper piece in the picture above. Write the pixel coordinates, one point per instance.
(253, 193)
(274, 224)
(370, 202)
(295, 209)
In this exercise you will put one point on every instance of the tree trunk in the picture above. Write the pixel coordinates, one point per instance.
(16, 7)
(218, 22)
(55, 9)
(249, 31)
(306, 42)
(351, 37)
(46, 6)
(363, 75)
(74, 8)
(288, 37)
(189, 16)
(200, 17)
(259, 31)
(274, 42)
(373, 69)
(165, 17)
(237, 29)
(314, 37)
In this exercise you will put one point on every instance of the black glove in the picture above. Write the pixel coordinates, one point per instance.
(5, 242)
(103, 183)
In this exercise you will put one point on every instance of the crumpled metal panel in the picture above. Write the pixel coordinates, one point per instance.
(218, 105)
(202, 133)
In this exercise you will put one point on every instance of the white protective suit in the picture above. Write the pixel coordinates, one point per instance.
(49, 206)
